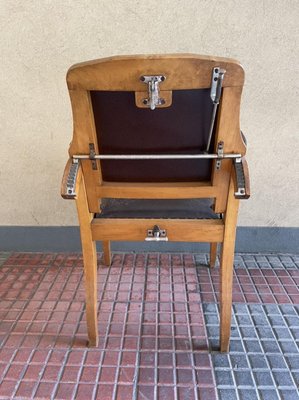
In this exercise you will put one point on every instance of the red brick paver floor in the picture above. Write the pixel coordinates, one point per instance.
(156, 324)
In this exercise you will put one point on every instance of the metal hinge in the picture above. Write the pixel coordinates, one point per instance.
(156, 234)
(71, 180)
(240, 193)
(92, 154)
(153, 99)
(220, 154)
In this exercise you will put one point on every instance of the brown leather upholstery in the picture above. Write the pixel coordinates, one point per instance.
(123, 128)
(183, 209)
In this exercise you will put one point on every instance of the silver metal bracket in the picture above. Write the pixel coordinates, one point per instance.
(71, 180)
(92, 155)
(156, 235)
(203, 156)
(240, 179)
(153, 99)
(220, 154)
(215, 94)
(216, 84)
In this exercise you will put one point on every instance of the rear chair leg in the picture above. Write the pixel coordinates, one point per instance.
(107, 252)
(90, 264)
(213, 254)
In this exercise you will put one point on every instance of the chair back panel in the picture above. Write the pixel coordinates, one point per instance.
(105, 114)
(182, 128)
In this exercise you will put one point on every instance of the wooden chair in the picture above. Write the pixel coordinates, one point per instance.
(156, 143)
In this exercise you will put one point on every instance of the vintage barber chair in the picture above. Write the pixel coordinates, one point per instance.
(157, 154)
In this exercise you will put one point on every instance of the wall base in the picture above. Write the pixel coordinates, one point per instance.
(67, 239)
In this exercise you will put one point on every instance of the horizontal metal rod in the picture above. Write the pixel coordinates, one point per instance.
(155, 156)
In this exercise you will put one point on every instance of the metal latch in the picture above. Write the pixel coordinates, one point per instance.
(153, 81)
(240, 193)
(71, 180)
(156, 234)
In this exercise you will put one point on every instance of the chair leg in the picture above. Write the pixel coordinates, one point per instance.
(226, 268)
(226, 279)
(213, 254)
(90, 273)
(90, 264)
(107, 252)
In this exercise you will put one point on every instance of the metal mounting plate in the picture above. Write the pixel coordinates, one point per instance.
(156, 234)
(153, 99)
(216, 85)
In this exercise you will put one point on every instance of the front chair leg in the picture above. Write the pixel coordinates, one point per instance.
(226, 267)
(213, 254)
(107, 252)
(226, 279)
(90, 274)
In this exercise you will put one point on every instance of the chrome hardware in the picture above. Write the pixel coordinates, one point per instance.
(92, 155)
(240, 179)
(216, 85)
(220, 154)
(156, 235)
(215, 94)
(71, 180)
(153, 99)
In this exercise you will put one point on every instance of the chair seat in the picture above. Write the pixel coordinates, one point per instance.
(169, 209)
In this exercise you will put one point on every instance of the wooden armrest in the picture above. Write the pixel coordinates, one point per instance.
(242, 183)
(70, 180)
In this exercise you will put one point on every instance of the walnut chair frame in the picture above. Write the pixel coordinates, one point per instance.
(83, 179)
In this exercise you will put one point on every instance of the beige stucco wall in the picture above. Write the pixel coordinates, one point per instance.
(41, 39)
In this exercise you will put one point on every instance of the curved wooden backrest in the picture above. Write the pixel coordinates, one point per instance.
(106, 98)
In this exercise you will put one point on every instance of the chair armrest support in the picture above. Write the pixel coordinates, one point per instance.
(70, 180)
(242, 183)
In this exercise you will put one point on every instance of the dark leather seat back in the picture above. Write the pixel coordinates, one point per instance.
(182, 128)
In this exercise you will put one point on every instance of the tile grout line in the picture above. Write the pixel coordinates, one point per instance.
(123, 329)
(32, 351)
(156, 355)
(96, 388)
(66, 356)
(246, 355)
(285, 314)
(187, 309)
(280, 346)
(76, 330)
(175, 377)
(266, 359)
(137, 361)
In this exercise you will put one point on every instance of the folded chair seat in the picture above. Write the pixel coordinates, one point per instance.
(145, 208)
